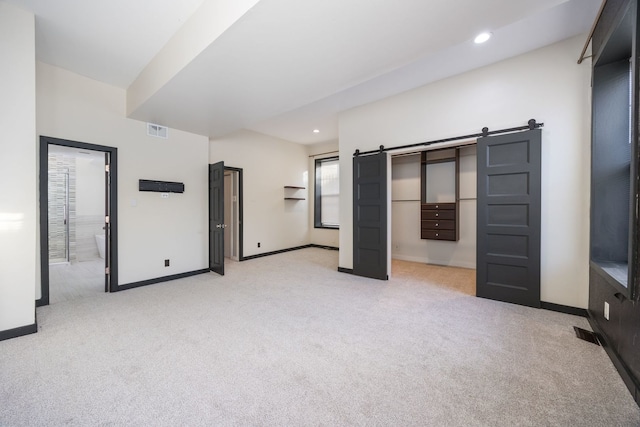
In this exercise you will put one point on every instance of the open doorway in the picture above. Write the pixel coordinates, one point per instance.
(231, 214)
(78, 225)
(445, 184)
(437, 246)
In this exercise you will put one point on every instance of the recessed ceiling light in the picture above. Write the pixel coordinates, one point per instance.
(482, 37)
(316, 131)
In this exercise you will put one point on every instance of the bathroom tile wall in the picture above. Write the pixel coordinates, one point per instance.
(62, 179)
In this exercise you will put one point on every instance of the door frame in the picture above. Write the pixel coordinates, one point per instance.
(235, 214)
(240, 210)
(111, 279)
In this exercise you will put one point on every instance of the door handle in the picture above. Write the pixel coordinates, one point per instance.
(221, 225)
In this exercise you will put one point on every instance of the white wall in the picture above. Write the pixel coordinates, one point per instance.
(406, 243)
(320, 236)
(268, 164)
(18, 173)
(547, 85)
(151, 229)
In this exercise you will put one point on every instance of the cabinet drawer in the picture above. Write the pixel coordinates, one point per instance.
(438, 234)
(437, 206)
(439, 225)
(439, 214)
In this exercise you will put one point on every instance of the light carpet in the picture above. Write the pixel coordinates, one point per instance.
(287, 340)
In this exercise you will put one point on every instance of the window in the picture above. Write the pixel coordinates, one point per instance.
(327, 193)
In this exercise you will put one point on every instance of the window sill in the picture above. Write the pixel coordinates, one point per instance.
(327, 227)
(614, 273)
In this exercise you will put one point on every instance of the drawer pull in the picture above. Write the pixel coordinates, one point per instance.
(437, 224)
(437, 234)
(436, 206)
(437, 214)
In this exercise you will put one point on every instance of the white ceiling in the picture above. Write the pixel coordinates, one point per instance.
(110, 41)
(287, 67)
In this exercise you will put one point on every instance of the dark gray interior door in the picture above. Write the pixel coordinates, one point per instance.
(508, 244)
(216, 217)
(370, 216)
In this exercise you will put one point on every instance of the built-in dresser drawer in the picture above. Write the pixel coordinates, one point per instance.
(438, 206)
(439, 234)
(438, 214)
(438, 221)
(439, 225)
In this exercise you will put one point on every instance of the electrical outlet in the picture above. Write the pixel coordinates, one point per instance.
(258, 244)
(606, 310)
(166, 263)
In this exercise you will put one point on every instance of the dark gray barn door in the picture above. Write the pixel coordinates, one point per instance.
(370, 216)
(508, 246)
(216, 217)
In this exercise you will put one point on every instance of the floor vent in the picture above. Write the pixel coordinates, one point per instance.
(157, 131)
(583, 334)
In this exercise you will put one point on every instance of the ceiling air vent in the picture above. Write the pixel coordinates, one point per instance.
(157, 131)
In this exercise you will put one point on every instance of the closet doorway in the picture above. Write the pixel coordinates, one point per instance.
(434, 258)
(78, 221)
(508, 213)
(406, 221)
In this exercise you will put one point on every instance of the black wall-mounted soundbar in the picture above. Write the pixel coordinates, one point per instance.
(161, 186)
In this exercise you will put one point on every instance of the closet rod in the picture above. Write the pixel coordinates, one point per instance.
(590, 36)
(532, 124)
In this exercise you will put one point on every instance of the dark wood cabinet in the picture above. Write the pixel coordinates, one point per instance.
(439, 208)
(439, 221)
